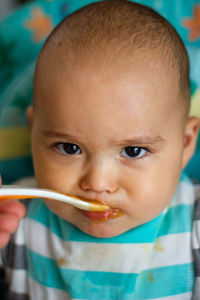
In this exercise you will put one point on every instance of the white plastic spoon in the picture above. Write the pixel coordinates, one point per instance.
(17, 192)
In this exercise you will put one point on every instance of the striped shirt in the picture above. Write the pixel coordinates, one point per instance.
(48, 258)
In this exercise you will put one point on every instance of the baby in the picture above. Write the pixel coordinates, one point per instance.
(109, 123)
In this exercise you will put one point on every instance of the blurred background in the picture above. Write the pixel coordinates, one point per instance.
(22, 34)
(7, 6)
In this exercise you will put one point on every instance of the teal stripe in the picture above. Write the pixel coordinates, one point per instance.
(143, 234)
(158, 282)
(166, 281)
(184, 177)
(180, 219)
(193, 166)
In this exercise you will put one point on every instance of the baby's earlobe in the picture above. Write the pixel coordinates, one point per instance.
(190, 139)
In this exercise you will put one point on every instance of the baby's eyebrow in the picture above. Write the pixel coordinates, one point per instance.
(143, 140)
(53, 134)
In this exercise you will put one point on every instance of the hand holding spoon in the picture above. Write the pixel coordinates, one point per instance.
(17, 192)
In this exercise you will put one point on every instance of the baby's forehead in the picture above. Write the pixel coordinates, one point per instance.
(135, 76)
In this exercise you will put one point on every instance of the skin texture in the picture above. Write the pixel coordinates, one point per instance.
(103, 111)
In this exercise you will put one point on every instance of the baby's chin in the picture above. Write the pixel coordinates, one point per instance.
(101, 229)
(107, 229)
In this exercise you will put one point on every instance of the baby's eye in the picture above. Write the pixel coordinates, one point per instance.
(133, 152)
(68, 148)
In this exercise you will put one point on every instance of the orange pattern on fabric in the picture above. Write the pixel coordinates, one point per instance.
(193, 24)
(40, 24)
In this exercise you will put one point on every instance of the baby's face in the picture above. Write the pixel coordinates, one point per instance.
(107, 135)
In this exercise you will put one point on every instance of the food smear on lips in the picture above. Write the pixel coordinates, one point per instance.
(103, 216)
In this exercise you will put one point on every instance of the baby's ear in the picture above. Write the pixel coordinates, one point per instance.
(190, 139)
(29, 112)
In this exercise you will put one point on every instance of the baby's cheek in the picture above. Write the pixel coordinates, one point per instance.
(145, 203)
(63, 210)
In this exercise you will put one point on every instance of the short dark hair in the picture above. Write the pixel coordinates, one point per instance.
(124, 27)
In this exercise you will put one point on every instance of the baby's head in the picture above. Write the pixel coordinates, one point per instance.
(110, 115)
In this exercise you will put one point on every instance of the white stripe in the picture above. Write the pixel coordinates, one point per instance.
(18, 281)
(122, 258)
(173, 249)
(19, 235)
(185, 194)
(41, 292)
(186, 296)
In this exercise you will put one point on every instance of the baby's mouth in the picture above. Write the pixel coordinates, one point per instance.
(103, 216)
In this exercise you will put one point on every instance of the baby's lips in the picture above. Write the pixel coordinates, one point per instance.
(103, 216)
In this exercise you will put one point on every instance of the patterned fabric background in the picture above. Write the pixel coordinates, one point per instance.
(22, 35)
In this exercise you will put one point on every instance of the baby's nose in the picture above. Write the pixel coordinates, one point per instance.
(99, 178)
